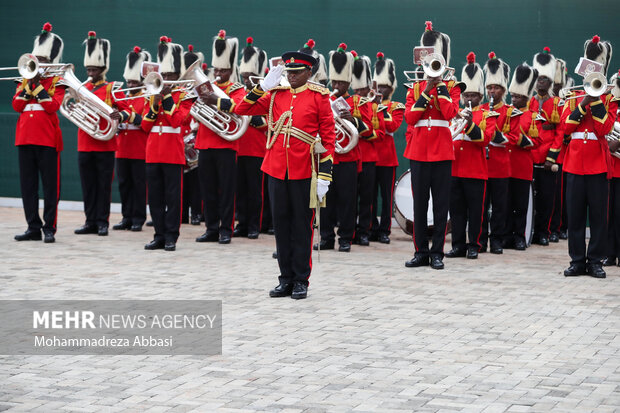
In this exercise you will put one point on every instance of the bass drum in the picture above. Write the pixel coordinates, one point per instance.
(529, 221)
(403, 205)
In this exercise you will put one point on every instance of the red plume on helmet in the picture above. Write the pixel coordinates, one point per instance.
(471, 58)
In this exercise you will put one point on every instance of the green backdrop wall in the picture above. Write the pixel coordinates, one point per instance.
(514, 30)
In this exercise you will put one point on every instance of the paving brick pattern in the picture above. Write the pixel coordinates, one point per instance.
(499, 334)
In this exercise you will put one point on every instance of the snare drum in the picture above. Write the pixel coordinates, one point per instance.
(403, 205)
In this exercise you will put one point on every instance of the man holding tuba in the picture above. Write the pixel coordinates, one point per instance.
(163, 116)
(587, 164)
(431, 104)
(39, 139)
(131, 150)
(218, 156)
(96, 157)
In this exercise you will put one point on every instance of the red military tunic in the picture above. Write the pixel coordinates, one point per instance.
(206, 138)
(470, 160)
(310, 111)
(366, 111)
(523, 138)
(355, 154)
(254, 140)
(104, 91)
(551, 111)
(131, 137)
(38, 120)
(428, 133)
(499, 157)
(385, 146)
(588, 152)
(165, 139)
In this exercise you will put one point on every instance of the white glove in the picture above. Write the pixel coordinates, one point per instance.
(322, 186)
(272, 79)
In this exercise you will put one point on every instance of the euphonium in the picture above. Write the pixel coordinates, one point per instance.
(614, 135)
(228, 126)
(85, 110)
(459, 122)
(345, 130)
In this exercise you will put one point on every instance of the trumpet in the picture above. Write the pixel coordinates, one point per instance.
(85, 110)
(154, 83)
(29, 67)
(228, 126)
(433, 65)
(614, 135)
(459, 122)
(594, 84)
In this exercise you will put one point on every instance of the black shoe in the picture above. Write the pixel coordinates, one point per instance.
(149, 223)
(472, 253)
(384, 239)
(496, 249)
(208, 237)
(29, 236)
(325, 245)
(102, 231)
(417, 261)
(87, 229)
(237, 232)
(271, 231)
(554, 237)
(520, 245)
(170, 246)
(436, 263)
(48, 237)
(195, 220)
(574, 270)
(121, 226)
(253, 234)
(345, 246)
(224, 239)
(274, 255)
(456, 252)
(563, 235)
(608, 261)
(154, 245)
(136, 228)
(364, 241)
(544, 241)
(282, 290)
(300, 291)
(595, 270)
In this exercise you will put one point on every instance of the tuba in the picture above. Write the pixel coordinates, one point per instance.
(345, 130)
(85, 110)
(191, 153)
(614, 135)
(228, 126)
(459, 122)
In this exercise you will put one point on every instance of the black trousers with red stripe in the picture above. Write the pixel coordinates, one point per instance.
(35, 160)
(131, 175)
(518, 198)
(218, 179)
(365, 191)
(384, 188)
(587, 199)
(430, 178)
(249, 198)
(544, 200)
(292, 223)
(191, 195)
(165, 181)
(466, 210)
(96, 174)
(497, 197)
(559, 220)
(341, 199)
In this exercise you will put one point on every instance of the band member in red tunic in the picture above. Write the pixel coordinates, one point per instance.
(613, 238)
(431, 104)
(39, 139)
(384, 77)
(131, 150)
(96, 157)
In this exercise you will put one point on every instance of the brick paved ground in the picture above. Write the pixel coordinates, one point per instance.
(500, 334)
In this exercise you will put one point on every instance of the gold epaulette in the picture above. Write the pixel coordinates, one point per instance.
(273, 89)
(397, 106)
(453, 83)
(236, 86)
(363, 100)
(318, 88)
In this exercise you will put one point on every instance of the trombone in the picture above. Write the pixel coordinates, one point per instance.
(29, 67)
(154, 83)
(594, 84)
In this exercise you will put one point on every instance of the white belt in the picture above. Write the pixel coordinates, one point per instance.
(427, 123)
(31, 107)
(165, 129)
(582, 135)
(498, 145)
(126, 126)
